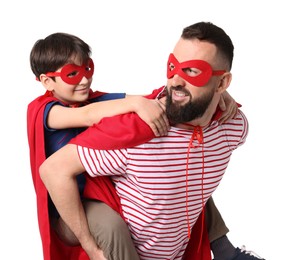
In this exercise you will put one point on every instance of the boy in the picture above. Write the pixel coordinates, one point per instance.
(61, 62)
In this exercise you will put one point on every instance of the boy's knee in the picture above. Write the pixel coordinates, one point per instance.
(110, 231)
(64, 233)
(103, 220)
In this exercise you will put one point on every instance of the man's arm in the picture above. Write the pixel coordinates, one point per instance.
(59, 173)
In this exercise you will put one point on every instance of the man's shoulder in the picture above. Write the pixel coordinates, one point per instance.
(157, 93)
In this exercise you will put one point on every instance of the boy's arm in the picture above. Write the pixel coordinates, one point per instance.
(149, 110)
(229, 107)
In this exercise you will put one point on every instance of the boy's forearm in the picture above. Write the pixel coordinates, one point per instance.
(61, 117)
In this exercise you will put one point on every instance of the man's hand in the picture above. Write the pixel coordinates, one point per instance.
(92, 250)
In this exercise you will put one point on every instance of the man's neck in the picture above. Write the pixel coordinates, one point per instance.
(202, 122)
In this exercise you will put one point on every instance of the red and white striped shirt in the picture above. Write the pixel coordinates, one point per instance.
(163, 184)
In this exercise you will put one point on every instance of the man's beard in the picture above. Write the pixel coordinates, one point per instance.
(194, 109)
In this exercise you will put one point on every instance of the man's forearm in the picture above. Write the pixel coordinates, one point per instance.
(66, 198)
(57, 173)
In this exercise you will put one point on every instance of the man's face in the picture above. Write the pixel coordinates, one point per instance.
(178, 112)
(185, 101)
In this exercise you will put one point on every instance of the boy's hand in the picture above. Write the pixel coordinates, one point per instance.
(152, 111)
(229, 107)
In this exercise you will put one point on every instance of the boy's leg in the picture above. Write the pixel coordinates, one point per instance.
(110, 231)
(64, 232)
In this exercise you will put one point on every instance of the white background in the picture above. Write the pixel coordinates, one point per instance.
(131, 41)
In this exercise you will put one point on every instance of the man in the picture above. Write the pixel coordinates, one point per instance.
(164, 183)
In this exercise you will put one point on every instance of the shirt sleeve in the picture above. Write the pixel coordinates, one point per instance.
(103, 162)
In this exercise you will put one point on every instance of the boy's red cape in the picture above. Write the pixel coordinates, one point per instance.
(111, 133)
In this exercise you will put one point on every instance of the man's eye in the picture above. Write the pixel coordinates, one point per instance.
(88, 68)
(171, 66)
(192, 72)
(72, 74)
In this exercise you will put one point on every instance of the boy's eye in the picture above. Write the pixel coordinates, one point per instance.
(72, 74)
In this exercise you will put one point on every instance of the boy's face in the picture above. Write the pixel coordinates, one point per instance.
(72, 82)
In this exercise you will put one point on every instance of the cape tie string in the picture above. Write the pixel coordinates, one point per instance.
(198, 136)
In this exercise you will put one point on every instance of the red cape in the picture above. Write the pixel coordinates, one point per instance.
(125, 131)
(53, 248)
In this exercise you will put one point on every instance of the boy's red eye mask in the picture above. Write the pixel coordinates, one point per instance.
(180, 68)
(72, 74)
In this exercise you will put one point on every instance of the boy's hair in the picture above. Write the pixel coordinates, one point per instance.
(207, 31)
(56, 50)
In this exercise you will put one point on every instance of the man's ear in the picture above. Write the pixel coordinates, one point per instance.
(46, 82)
(224, 82)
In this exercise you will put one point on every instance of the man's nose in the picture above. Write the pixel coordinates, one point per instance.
(178, 81)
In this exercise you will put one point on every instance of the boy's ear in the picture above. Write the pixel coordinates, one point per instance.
(224, 82)
(46, 82)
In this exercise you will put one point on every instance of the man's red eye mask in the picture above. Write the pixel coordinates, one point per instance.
(201, 79)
